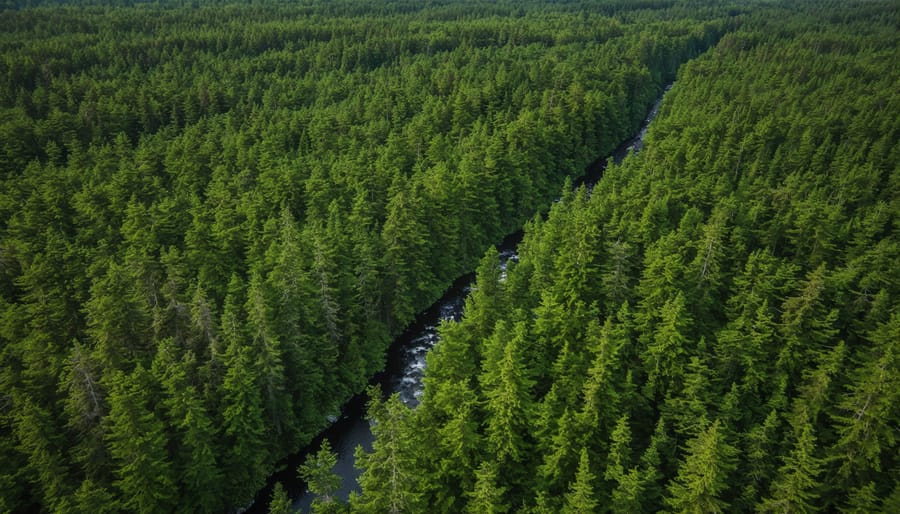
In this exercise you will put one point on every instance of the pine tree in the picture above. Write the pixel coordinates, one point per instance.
(687, 408)
(559, 461)
(201, 474)
(406, 251)
(389, 480)
(807, 323)
(862, 500)
(868, 408)
(506, 387)
(581, 497)
(703, 474)
(603, 398)
(269, 361)
(760, 456)
(280, 503)
(628, 484)
(617, 276)
(459, 446)
(318, 472)
(138, 445)
(619, 458)
(655, 464)
(92, 497)
(85, 407)
(245, 463)
(665, 355)
(40, 442)
(487, 496)
(794, 488)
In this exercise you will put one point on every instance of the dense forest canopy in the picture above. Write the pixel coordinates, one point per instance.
(713, 328)
(214, 216)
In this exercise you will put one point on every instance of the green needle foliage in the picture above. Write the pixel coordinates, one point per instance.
(714, 326)
(246, 202)
(318, 473)
(214, 217)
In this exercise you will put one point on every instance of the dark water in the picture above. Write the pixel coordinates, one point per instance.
(406, 362)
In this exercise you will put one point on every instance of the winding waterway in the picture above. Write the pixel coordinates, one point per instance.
(406, 362)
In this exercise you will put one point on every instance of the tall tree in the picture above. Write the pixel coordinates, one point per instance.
(242, 420)
(280, 503)
(138, 443)
(506, 386)
(487, 496)
(581, 496)
(703, 476)
(318, 472)
(389, 475)
(794, 488)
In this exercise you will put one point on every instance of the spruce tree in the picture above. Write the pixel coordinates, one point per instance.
(703, 475)
(582, 496)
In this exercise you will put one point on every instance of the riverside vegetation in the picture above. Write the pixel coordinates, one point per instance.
(213, 219)
(713, 328)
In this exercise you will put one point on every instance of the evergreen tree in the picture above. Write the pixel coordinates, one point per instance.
(581, 496)
(487, 497)
(200, 471)
(664, 357)
(559, 461)
(138, 445)
(41, 444)
(318, 472)
(280, 503)
(388, 475)
(794, 487)
(868, 407)
(85, 406)
(243, 426)
(862, 500)
(507, 393)
(703, 476)
(91, 497)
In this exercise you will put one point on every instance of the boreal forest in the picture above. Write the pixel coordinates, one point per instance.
(216, 216)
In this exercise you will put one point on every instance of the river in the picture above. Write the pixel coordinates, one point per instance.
(406, 362)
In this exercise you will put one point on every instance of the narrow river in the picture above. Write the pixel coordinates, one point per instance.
(406, 362)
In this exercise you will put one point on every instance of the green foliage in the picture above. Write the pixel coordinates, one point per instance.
(137, 443)
(581, 496)
(733, 285)
(253, 201)
(214, 217)
(487, 497)
(794, 488)
(246, 459)
(703, 477)
(389, 470)
(318, 473)
(280, 503)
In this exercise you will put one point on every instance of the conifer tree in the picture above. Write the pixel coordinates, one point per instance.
(507, 393)
(794, 488)
(42, 446)
(318, 472)
(868, 408)
(389, 475)
(581, 496)
(243, 426)
(703, 476)
(628, 481)
(138, 445)
(280, 503)
(92, 497)
(487, 497)
(200, 471)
